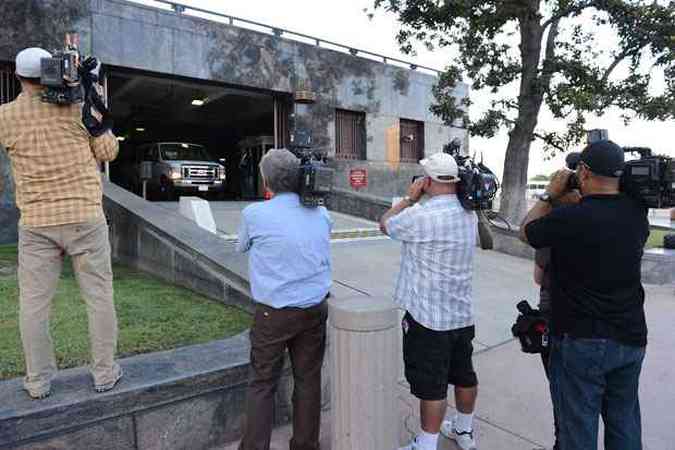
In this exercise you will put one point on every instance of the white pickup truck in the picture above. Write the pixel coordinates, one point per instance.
(174, 168)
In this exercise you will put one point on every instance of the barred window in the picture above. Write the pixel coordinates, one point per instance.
(9, 85)
(412, 140)
(350, 135)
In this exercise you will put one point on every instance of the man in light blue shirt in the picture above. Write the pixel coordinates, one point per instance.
(290, 276)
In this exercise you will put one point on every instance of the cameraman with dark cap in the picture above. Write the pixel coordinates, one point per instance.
(598, 329)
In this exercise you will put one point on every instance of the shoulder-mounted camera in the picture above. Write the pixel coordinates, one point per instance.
(70, 79)
(649, 179)
(316, 179)
(478, 185)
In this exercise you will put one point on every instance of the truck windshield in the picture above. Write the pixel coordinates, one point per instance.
(184, 152)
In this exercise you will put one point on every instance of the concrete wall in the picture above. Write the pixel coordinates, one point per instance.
(129, 35)
(188, 398)
(9, 215)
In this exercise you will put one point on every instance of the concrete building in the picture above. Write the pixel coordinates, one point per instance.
(212, 80)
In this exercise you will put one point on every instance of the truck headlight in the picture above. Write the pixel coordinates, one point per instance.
(175, 174)
(221, 173)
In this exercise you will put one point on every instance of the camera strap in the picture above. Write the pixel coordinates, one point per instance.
(95, 127)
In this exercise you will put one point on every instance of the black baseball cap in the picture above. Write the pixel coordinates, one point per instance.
(602, 158)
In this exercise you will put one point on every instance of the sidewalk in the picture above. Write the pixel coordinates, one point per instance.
(514, 410)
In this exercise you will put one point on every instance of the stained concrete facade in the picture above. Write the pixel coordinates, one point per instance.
(130, 35)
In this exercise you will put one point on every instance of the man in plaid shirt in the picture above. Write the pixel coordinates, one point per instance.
(435, 289)
(58, 191)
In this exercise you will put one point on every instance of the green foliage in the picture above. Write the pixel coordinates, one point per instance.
(152, 316)
(541, 178)
(555, 50)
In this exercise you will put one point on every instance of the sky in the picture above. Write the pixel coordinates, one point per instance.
(346, 22)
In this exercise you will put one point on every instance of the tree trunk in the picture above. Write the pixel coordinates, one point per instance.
(513, 205)
(514, 183)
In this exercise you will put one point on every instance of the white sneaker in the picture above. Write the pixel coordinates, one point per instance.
(464, 439)
(412, 446)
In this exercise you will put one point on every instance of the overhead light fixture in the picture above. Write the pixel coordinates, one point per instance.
(121, 138)
(140, 129)
(198, 102)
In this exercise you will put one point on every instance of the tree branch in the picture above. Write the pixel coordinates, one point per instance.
(547, 71)
(538, 136)
(625, 54)
(567, 11)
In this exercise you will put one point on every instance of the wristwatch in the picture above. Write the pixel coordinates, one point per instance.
(545, 197)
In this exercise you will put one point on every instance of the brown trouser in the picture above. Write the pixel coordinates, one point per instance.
(41, 253)
(303, 333)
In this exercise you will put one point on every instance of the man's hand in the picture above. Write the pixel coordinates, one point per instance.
(558, 186)
(416, 190)
(571, 198)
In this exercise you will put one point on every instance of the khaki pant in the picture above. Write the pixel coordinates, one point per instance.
(303, 333)
(41, 253)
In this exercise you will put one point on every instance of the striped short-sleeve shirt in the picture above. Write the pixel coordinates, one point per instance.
(435, 280)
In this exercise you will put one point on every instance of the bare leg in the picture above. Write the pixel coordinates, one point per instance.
(432, 414)
(466, 399)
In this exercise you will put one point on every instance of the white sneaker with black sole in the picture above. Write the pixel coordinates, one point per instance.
(412, 446)
(464, 439)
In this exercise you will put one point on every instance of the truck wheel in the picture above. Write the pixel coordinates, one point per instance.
(669, 241)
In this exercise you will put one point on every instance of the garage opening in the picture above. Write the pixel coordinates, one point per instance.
(188, 137)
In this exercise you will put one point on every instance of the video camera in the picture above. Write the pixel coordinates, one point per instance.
(531, 329)
(478, 185)
(476, 189)
(315, 178)
(650, 179)
(70, 80)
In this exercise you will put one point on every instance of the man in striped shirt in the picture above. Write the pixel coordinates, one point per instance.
(435, 289)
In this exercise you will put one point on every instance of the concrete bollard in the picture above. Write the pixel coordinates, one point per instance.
(364, 353)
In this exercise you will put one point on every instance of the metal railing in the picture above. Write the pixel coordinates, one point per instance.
(181, 8)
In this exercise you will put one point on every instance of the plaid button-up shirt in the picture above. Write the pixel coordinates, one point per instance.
(435, 281)
(54, 161)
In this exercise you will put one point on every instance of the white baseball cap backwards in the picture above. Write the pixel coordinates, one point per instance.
(29, 61)
(441, 167)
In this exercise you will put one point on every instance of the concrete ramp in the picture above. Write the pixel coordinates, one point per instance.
(174, 248)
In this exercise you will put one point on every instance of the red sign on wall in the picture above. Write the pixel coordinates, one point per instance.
(358, 178)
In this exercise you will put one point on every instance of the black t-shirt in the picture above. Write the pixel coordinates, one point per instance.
(596, 253)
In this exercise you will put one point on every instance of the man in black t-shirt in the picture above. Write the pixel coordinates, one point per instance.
(598, 329)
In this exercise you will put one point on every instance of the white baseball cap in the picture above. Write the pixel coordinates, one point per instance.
(29, 61)
(441, 167)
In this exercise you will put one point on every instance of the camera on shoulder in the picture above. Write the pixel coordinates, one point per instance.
(649, 179)
(69, 79)
(478, 185)
(316, 179)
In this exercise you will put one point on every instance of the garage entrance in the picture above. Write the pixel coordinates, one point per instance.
(189, 137)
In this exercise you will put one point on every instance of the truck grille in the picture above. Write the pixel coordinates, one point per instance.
(206, 173)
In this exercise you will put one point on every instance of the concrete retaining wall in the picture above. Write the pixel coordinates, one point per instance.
(188, 398)
(658, 265)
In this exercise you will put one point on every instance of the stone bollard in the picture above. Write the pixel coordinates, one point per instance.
(364, 353)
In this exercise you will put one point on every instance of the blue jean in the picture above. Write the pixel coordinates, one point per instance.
(593, 377)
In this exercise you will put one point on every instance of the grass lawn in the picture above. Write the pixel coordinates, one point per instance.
(152, 316)
(656, 238)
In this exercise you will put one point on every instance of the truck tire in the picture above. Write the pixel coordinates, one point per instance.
(669, 241)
